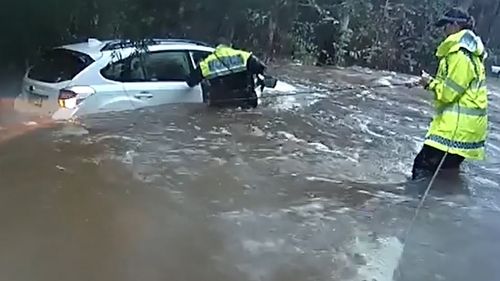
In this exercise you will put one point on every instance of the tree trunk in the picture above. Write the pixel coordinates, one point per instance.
(343, 42)
(272, 29)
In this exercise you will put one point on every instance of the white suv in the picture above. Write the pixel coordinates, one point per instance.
(93, 77)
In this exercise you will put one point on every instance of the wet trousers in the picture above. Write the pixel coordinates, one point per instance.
(233, 98)
(427, 161)
(235, 90)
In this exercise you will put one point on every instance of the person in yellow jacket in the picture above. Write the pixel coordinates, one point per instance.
(230, 75)
(459, 129)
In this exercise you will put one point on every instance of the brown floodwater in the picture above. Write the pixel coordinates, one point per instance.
(306, 187)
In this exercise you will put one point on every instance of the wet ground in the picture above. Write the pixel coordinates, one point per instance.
(306, 187)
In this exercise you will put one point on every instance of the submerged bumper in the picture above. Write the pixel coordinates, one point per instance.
(25, 106)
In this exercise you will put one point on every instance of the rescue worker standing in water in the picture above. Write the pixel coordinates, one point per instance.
(459, 128)
(230, 76)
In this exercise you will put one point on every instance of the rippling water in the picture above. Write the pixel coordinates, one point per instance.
(306, 187)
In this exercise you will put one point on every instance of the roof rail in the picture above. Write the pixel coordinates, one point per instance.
(127, 43)
(181, 40)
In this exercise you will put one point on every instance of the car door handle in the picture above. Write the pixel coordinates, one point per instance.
(144, 94)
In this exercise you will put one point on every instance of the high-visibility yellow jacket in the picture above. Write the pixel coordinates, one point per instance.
(224, 61)
(461, 122)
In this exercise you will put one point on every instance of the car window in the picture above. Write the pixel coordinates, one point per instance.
(199, 56)
(167, 66)
(59, 65)
(127, 70)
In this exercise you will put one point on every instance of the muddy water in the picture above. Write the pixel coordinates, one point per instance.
(309, 187)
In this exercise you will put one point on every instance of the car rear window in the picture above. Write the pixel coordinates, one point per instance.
(59, 65)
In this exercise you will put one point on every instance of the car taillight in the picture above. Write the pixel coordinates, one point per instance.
(73, 96)
(64, 96)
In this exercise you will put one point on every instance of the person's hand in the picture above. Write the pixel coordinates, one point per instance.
(260, 82)
(425, 79)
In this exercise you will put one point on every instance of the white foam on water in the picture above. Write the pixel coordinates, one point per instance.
(300, 96)
(317, 98)
(286, 103)
(377, 97)
(342, 210)
(315, 211)
(129, 157)
(494, 135)
(486, 182)
(312, 178)
(30, 123)
(395, 199)
(310, 207)
(493, 91)
(225, 132)
(256, 131)
(239, 214)
(189, 151)
(277, 158)
(379, 256)
(315, 146)
(352, 156)
(421, 111)
(72, 131)
(291, 137)
(283, 87)
(321, 147)
(117, 137)
(175, 130)
(383, 81)
(259, 247)
(220, 132)
(219, 161)
(363, 125)
(490, 146)
(382, 258)
(365, 192)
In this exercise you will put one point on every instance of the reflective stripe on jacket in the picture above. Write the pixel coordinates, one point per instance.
(224, 61)
(461, 122)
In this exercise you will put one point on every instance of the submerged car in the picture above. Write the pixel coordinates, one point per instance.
(101, 76)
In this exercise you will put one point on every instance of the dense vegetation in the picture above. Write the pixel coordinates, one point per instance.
(389, 34)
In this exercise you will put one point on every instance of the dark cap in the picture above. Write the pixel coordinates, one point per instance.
(453, 15)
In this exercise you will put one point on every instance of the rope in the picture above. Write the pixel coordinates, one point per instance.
(426, 194)
(427, 190)
(326, 89)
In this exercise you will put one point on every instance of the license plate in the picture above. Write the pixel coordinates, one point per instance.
(36, 100)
